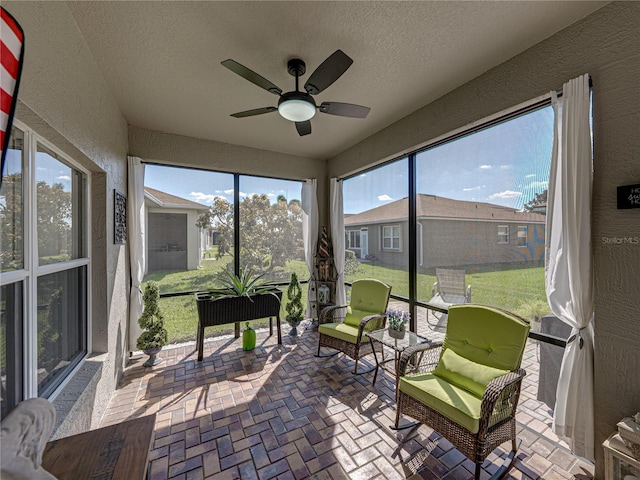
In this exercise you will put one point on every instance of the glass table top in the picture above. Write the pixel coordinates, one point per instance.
(399, 344)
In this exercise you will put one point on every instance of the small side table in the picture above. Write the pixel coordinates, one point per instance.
(389, 359)
(116, 452)
(618, 462)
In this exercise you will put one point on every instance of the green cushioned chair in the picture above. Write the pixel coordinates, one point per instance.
(467, 388)
(342, 327)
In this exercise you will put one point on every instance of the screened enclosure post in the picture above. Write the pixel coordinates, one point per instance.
(413, 265)
(236, 223)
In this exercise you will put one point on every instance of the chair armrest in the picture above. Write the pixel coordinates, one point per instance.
(469, 293)
(371, 323)
(422, 358)
(330, 314)
(500, 398)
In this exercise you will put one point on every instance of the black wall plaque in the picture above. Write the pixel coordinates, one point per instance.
(119, 218)
(629, 196)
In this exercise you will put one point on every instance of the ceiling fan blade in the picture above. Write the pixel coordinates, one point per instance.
(257, 111)
(304, 128)
(344, 109)
(328, 72)
(252, 76)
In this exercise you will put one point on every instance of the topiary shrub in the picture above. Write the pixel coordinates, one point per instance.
(294, 308)
(151, 320)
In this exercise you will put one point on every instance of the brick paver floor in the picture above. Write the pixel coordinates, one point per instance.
(282, 413)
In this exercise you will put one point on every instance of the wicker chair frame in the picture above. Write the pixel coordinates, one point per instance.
(497, 415)
(334, 314)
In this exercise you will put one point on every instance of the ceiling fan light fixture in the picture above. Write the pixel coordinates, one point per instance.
(296, 107)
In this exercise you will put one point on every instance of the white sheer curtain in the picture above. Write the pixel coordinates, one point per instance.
(337, 237)
(568, 270)
(136, 240)
(310, 229)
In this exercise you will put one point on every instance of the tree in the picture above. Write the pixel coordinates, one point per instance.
(11, 230)
(538, 200)
(54, 212)
(270, 234)
(54, 219)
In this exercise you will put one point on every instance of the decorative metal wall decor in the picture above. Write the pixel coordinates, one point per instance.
(119, 218)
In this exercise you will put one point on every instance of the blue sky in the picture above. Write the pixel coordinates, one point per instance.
(203, 186)
(506, 164)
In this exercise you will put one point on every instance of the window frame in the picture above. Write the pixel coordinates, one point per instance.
(520, 229)
(503, 237)
(391, 237)
(32, 270)
(352, 237)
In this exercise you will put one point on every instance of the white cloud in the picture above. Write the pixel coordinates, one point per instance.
(228, 192)
(485, 167)
(271, 195)
(64, 177)
(384, 198)
(471, 189)
(539, 184)
(531, 175)
(505, 194)
(505, 167)
(206, 198)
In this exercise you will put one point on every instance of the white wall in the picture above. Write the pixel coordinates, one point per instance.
(64, 98)
(606, 44)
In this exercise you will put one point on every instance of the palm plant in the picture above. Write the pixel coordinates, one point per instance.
(245, 284)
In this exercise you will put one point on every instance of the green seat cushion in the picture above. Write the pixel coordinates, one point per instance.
(354, 317)
(465, 373)
(455, 403)
(343, 331)
(486, 335)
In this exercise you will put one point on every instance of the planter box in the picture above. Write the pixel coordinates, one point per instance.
(222, 311)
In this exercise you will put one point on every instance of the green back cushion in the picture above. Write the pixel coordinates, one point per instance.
(368, 297)
(465, 373)
(486, 336)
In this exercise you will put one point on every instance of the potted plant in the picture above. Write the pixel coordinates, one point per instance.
(294, 308)
(240, 298)
(397, 321)
(154, 335)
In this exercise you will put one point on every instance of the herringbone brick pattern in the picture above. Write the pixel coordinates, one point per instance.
(282, 413)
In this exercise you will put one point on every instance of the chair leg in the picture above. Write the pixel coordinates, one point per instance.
(478, 471)
(508, 461)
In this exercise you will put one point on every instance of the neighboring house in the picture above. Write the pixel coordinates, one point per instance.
(450, 233)
(173, 240)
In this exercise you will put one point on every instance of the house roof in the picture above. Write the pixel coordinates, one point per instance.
(432, 206)
(166, 200)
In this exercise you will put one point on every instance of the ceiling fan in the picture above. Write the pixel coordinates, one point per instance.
(297, 106)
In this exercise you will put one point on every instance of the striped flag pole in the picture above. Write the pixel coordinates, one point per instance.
(11, 56)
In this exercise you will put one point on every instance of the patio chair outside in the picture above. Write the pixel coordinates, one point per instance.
(467, 388)
(448, 289)
(366, 312)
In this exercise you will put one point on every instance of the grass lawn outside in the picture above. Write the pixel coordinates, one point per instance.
(520, 290)
(181, 313)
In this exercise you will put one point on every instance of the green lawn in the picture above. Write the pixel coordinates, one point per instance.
(520, 290)
(181, 314)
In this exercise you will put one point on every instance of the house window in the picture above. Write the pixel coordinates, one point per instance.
(391, 237)
(44, 265)
(522, 236)
(354, 238)
(503, 233)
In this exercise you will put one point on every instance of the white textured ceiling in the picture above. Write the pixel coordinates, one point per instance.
(162, 59)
